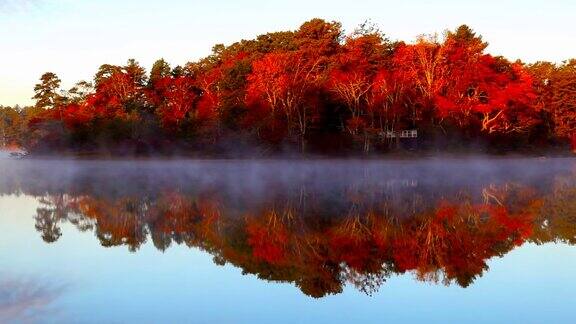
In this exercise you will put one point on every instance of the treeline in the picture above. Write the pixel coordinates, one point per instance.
(315, 89)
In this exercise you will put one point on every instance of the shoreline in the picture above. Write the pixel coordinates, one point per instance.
(291, 157)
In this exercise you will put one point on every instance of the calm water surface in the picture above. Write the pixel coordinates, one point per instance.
(454, 240)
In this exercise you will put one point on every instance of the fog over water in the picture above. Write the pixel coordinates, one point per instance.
(287, 240)
(259, 177)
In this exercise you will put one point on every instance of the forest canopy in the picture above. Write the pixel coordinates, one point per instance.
(316, 89)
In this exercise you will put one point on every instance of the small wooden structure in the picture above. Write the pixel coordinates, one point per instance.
(406, 133)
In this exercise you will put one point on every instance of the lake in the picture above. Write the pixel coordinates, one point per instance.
(282, 241)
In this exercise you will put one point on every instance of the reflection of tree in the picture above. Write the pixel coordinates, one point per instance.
(322, 243)
(457, 239)
(121, 222)
(317, 235)
(53, 210)
(557, 223)
(47, 224)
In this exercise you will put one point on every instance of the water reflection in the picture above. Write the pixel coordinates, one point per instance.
(318, 225)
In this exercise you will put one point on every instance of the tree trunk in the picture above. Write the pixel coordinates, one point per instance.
(366, 143)
(3, 138)
(574, 143)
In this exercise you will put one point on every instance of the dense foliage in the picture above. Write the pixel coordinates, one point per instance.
(313, 89)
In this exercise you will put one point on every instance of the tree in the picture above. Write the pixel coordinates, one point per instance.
(80, 91)
(353, 76)
(160, 69)
(284, 81)
(505, 97)
(119, 90)
(463, 52)
(427, 64)
(421, 68)
(563, 100)
(353, 73)
(318, 37)
(11, 124)
(136, 72)
(555, 89)
(179, 96)
(46, 92)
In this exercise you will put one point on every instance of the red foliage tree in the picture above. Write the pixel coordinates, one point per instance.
(175, 98)
(283, 82)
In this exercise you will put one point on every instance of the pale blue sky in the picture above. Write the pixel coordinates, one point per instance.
(73, 37)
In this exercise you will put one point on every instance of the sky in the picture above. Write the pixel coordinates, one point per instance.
(72, 38)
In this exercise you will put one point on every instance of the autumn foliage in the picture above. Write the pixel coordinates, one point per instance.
(297, 88)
